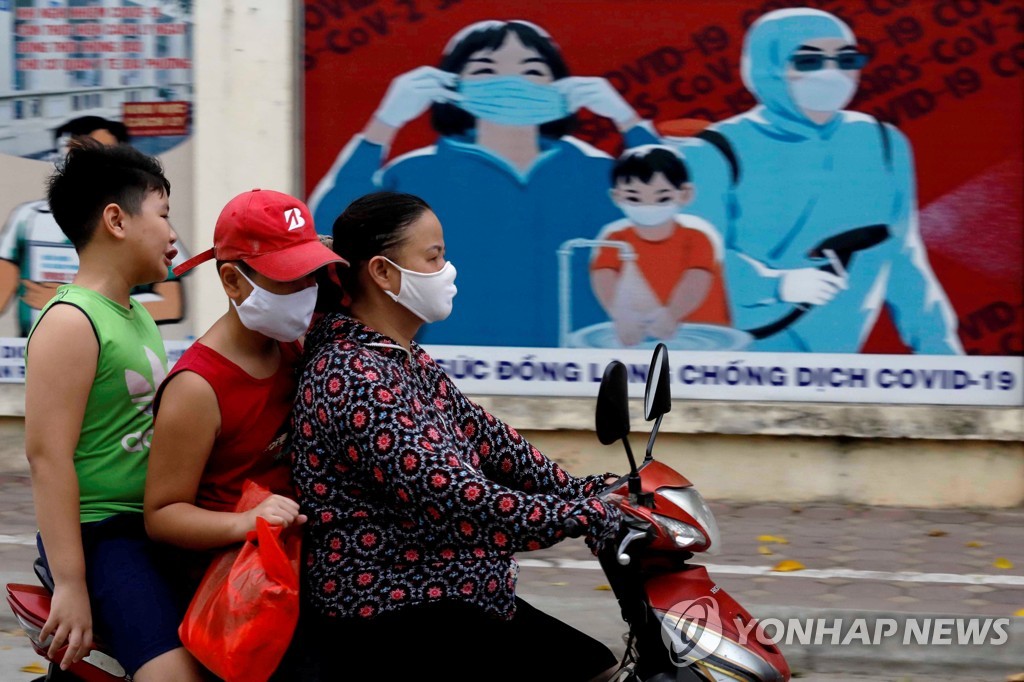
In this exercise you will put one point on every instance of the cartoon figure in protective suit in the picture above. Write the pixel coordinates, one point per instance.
(817, 205)
(506, 179)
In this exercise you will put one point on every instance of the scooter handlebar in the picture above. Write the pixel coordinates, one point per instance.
(573, 528)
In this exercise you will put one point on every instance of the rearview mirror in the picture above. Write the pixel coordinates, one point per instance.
(613, 404)
(658, 395)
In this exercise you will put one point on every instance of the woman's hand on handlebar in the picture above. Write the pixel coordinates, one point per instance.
(610, 484)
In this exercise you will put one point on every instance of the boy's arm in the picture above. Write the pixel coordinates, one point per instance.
(689, 293)
(10, 277)
(187, 424)
(604, 281)
(58, 380)
(10, 257)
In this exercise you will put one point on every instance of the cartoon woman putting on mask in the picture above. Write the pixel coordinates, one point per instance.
(509, 182)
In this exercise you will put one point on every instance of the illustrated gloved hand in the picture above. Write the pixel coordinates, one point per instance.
(598, 95)
(412, 93)
(809, 285)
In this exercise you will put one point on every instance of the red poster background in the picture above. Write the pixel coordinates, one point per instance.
(948, 73)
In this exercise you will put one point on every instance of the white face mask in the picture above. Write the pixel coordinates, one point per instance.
(428, 295)
(824, 90)
(284, 317)
(648, 215)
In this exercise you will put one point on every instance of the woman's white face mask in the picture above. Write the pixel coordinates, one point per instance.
(284, 317)
(428, 295)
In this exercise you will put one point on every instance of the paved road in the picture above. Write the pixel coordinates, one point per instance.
(858, 561)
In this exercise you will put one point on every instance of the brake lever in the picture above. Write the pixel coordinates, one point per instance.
(631, 535)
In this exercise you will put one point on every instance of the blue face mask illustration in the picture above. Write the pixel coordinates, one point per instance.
(513, 101)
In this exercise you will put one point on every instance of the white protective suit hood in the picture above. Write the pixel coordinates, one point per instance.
(767, 47)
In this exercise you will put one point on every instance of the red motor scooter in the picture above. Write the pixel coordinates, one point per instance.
(682, 626)
(31, 606)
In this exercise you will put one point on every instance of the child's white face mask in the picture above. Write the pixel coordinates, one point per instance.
(649, 215)
(284, 317)
(428, 295)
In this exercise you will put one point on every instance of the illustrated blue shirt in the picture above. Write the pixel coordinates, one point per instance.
(502, 226)
(800, 183)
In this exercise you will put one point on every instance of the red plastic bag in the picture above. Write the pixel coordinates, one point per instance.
(243, 615)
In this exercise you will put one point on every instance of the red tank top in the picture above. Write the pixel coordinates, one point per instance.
(253, 414)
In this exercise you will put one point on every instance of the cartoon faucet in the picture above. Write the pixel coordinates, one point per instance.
(626, 255)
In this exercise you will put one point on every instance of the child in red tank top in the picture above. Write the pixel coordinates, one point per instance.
(223, 406)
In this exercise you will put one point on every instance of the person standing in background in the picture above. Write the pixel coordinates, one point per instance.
(36, 257)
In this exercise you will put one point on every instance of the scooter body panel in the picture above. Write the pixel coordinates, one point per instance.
(702, 625)
(655, 476)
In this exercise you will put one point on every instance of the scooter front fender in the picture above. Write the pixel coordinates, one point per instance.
(703, 626)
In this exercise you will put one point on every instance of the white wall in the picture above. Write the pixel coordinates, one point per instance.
(247, 104)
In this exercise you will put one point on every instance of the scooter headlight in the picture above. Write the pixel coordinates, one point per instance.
(684, 534)
(691, 501)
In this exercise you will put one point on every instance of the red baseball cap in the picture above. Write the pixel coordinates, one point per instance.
(269, 231)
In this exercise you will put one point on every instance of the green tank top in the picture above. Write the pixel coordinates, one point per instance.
(117, 428)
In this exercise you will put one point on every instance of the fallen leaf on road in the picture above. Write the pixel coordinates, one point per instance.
(33, 668)
(788, 565)
(558, 584)
(764, 550)
(937, 533)
(603, 588)
(975, 543)
(1019, 614)
(1002, 563)
(1019, 677)
(776, 539)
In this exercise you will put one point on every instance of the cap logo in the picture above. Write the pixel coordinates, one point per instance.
(294, 218)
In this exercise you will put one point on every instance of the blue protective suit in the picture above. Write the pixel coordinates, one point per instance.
(800, 183)
(502, 227)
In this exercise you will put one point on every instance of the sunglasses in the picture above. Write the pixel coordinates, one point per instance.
(847, 61)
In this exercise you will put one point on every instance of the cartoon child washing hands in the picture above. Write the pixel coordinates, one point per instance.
(676, 275)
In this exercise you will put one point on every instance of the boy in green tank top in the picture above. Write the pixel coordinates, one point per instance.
(94, 359)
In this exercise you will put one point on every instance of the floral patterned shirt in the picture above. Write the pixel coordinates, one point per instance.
(414, 493)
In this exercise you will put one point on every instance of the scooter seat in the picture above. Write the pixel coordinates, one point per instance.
(43, 573)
